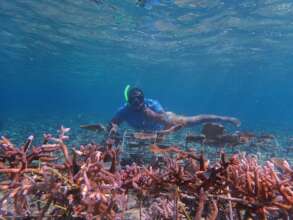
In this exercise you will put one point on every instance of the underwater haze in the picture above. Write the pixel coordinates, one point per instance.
(68, 62)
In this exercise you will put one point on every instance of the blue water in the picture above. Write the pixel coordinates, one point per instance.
(67, 62)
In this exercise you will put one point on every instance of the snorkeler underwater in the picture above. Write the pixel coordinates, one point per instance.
(146, 110)
(148, 4)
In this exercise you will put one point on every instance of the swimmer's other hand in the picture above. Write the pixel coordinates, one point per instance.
(112, 129)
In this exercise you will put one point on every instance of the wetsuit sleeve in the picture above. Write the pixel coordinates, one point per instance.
(157, 107)
(119, 116)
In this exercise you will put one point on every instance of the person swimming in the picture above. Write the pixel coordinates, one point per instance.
(148, 115)
(147, 4)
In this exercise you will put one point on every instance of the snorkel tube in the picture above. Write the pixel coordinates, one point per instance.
(126, 93)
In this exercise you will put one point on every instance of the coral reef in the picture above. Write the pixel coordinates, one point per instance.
(54, 180)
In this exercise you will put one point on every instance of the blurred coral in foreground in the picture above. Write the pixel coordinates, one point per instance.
(53, 180)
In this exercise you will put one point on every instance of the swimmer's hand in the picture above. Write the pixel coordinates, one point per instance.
(112, 129)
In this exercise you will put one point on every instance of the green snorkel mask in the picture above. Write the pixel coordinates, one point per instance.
(134, 97)
(126, 93)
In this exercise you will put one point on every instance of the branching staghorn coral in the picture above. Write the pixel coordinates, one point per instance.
(88, 183)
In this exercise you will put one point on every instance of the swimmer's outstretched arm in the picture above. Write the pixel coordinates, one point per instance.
(199, 119)
(158, 117)
(170, 119)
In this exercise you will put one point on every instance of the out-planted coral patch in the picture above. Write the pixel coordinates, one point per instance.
(57, 181)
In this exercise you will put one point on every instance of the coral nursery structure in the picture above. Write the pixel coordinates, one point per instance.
(54, 180)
